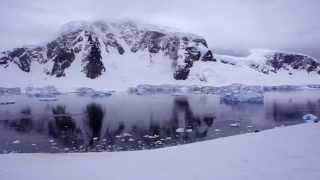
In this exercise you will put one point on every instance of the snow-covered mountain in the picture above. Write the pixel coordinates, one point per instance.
(91, 44)
(270, 61)
(120, 54)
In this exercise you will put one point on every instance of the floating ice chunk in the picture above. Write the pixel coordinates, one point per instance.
(151, 137)
(180, 130)
(51, 141)
(16, 142)
(189, 130)
(235, 125)
(310, 117)
(126, 135)
(95, 138)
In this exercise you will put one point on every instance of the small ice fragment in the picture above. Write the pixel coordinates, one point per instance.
(126, 134)
(16, 142)
(180, 130)
(51, 140)
(217, 130)
(131, 139)
(235, 125)
(95, 138)
(33, 144)
(189, 130)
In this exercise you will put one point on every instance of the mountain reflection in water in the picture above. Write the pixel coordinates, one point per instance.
(141, 122)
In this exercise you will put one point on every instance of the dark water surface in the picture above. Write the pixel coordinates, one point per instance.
(131, 122)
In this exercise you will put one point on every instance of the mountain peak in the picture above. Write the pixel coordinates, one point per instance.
(89, 44)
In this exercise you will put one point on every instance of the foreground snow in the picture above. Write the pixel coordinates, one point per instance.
(284, 153)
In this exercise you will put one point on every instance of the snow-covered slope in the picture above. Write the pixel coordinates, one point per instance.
(120, 54)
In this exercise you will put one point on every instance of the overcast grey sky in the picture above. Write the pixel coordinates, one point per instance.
(228, 24)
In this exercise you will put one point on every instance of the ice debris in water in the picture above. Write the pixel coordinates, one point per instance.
(238, 92)
(310, 118)
(164, 89)
(242, 94)
(9, 91)
(43, 92)
(89, 92)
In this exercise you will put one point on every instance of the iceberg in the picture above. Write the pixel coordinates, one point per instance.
(237, 93)
(89, 92)
(310, 118)
(44, 92)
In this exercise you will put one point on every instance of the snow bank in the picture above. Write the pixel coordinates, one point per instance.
(283, 153)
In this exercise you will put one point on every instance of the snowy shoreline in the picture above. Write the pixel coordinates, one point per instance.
(281, 153)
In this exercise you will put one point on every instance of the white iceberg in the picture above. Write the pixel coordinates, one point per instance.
(310, 118)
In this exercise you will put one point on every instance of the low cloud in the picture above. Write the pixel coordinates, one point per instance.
(231, 25)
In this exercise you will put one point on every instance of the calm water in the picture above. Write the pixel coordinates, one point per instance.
(130, 122)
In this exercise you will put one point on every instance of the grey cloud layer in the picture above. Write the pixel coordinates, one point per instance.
(229, 24)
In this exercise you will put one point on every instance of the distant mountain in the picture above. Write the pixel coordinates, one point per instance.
(270, 61)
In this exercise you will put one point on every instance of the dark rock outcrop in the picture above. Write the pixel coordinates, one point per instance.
(278, 61)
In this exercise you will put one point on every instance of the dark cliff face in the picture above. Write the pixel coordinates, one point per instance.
(278, 61)
(300, 62)
(88, 42)
(93, 65)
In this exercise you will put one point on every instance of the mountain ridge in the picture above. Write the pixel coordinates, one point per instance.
(127, 53)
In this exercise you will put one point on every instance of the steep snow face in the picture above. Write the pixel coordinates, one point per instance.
(90, 46)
